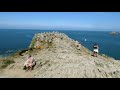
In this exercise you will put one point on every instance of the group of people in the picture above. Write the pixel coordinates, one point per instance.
(30, 62)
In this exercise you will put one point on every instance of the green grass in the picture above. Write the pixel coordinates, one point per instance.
(33, 42)
(6, 63)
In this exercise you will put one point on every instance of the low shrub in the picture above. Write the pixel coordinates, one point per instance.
(5, 63)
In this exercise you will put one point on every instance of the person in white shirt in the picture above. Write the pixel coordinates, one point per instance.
(95, 50)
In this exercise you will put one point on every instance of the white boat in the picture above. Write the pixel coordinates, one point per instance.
(85, 39)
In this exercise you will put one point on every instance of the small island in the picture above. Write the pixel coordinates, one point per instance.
(114, 33)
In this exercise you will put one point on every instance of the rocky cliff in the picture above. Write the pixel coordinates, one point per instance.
(59, 56)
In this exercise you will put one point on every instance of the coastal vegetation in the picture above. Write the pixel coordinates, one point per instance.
(33, 41)
(6, 62)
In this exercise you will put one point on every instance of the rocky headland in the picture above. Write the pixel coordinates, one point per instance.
(58, 56)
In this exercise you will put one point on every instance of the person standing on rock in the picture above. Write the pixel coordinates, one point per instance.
(95, 50)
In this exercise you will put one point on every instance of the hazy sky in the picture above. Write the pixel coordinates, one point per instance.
(61, 20)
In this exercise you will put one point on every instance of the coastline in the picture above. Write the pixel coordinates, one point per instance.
(92, 37)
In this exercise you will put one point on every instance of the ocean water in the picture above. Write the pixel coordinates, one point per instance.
(12, 40)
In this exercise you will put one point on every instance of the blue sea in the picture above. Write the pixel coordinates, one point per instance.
(12, 40)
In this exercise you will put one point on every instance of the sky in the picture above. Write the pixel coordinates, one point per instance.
(60, 20)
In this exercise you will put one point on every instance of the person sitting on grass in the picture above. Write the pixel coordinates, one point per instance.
(30, 63)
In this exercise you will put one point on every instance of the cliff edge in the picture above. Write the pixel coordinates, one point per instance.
(58, 56)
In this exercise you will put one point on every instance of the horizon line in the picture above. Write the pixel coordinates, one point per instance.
(58, 29)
